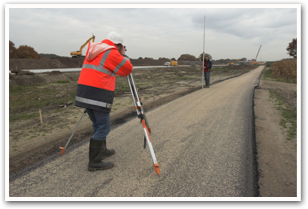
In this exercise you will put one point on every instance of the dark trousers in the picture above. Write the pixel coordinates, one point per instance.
(207, 77)
(100, 122)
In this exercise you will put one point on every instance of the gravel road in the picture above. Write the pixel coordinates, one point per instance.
(203, 143)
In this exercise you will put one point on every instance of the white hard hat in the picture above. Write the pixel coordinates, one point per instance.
(115, 37)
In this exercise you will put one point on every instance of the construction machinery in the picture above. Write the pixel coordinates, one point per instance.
(79, 53)
(174, 63)
(255, 62)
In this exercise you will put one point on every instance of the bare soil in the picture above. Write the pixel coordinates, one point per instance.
(30, 141)
(277, 155)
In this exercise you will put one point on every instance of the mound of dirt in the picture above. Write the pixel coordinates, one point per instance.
(241, 66)
(42, 78)
(16, 65)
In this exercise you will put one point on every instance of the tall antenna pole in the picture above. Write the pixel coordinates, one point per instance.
(203, 53)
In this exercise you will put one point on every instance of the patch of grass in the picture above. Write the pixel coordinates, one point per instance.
(21, 100)
(58, 110)
(289, 116)
(22, 116)
(220, 68)
(62, 81)
(25, 99)
(283, 123)
(122, 89)
(267, 75)
(62, 101)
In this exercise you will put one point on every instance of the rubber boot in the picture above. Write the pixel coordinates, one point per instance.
(208, 85)
(95, 153)
(106, 152)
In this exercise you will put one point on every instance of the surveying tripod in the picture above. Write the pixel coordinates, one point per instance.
(143, 120)
(140, 114)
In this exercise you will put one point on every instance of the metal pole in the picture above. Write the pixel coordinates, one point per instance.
(203, 53)
(64, 148)
(140, 112)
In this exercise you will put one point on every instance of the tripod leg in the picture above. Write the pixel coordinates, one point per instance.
(145, 124)
(146, 134)
(64, 148)
(137, 100)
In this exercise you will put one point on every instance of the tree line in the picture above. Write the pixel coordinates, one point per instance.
(22, 52)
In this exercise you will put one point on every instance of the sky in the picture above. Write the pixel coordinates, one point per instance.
(230, 31)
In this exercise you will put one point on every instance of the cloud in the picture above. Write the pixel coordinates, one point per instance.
(156, 32)
(250, 23)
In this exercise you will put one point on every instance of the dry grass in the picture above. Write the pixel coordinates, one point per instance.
(285, 68)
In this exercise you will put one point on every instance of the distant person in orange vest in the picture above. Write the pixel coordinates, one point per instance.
(207, 69)
(95, 92)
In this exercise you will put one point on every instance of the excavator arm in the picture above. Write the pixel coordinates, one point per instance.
(79, 53)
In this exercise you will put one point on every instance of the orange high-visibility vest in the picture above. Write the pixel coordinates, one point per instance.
(96, 84)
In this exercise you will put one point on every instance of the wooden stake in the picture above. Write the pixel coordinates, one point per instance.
(41, 116)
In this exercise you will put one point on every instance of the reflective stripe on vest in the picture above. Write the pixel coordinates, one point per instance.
(120, 65)
(98, 68)
(93, 102)
(102, 62)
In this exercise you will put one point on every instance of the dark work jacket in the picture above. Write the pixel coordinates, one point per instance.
(207, 66)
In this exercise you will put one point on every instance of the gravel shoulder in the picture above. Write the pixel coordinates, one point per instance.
(277, 155)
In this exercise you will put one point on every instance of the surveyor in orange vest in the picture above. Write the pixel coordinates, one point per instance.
(95, 92)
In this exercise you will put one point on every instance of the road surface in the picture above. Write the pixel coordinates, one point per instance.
(203, 143)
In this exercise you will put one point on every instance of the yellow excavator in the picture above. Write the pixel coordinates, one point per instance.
(79, 53)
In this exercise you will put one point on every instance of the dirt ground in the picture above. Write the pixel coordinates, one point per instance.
(31, 141)
(277, 155)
